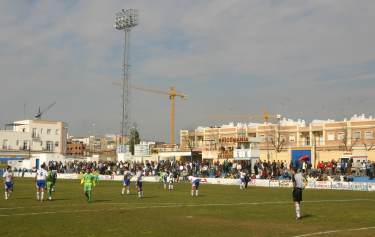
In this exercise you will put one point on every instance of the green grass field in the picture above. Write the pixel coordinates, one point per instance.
(218, 211)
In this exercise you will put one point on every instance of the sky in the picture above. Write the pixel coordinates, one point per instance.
(301, 59)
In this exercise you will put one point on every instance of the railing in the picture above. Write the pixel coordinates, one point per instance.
(35, 136)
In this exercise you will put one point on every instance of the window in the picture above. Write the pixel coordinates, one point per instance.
(262, 137)
(56, 132)
(41, 131)
(369, 135)
(48, 131)
(292, 138)
(331, 136)
(49, 146)
(17, 142)
(5, 144)
(357, 135)
(25, 145)
(270, 138)
(41, 143)
(340, 136)
(56, 144)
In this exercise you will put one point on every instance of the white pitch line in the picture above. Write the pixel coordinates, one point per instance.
(176, 203)
(334, 231)
(92, 204)
(167, 205)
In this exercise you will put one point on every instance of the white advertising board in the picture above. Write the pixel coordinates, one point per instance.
(356, 186)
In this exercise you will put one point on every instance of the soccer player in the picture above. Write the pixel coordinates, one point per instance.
(165, 177)
(139, 176)
(51, 182)
(96, 175)
(242, 180)
(170, 178)
(40, 179)
(126, 182)
(194, 185)
(8, 182)
(89, 181)
(298, 185)
(247, 179)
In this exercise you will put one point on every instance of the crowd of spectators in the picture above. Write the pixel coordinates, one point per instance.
(344, 170)
(332, 170)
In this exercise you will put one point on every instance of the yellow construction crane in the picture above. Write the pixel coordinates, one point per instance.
(172, 93)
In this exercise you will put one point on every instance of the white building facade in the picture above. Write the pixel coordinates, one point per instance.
(34, 136)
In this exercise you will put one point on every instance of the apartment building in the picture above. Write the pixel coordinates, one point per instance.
(34, 136)
(327, 139)
(76, 148)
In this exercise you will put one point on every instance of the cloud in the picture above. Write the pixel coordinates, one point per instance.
(228, 56)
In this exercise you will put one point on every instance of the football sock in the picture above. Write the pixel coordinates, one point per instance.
(196, 193)
(192, 193)
(6, 195)
(298, 210)
(123, 191)
(42, 196)
(37, 195)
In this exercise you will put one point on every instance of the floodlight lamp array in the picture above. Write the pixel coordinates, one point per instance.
(126, 19)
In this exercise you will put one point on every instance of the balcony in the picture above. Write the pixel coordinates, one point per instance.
(35, 136)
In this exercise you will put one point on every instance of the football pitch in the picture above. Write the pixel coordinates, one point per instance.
(218, 211)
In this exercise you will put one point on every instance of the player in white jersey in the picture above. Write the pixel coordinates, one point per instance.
(170, 180)
(126, 182)
(194, 185)
(242, 179)
(298, 186)
(8, 182)
(40, 179)
(164, 177)
(139, 176)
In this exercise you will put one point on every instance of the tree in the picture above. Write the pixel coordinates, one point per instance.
(133, 138)
(347, 143)
(369, 145)
(279, 142)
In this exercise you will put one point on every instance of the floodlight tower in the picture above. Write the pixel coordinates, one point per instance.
(125, 20)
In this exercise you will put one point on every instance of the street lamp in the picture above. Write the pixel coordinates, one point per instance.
(125, 20)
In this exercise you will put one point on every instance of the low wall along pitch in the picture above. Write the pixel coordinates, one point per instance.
(312, 184)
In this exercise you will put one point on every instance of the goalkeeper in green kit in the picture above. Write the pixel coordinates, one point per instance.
(88, 181)
(51, 182)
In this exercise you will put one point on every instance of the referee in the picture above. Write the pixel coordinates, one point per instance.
(298, 181)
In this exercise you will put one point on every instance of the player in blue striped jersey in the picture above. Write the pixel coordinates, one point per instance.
(126, 182)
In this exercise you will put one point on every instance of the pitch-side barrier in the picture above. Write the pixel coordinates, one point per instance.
(312, 184)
